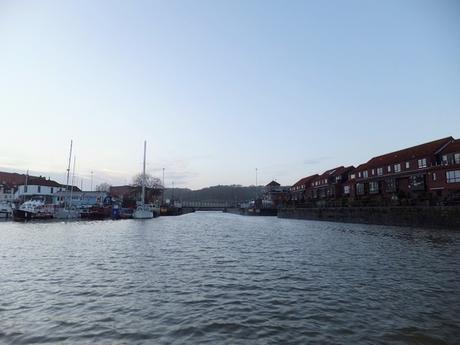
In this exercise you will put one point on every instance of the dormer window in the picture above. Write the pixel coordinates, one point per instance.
(389, 168)
(407, 165)
(397, 167)
(380, 171)
(365, 174)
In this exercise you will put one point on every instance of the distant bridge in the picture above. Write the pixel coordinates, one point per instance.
(207, 206)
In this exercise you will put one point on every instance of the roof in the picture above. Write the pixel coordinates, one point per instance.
(453, 147)
(336, 171)
(12, 178)
(304, 181)
(20, 179)
(41, 181)
(420, 151)
(273, 184)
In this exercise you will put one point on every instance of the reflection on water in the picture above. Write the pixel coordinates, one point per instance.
(220, 278)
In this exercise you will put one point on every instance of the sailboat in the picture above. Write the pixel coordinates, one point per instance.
(68, 212)
(143, 210)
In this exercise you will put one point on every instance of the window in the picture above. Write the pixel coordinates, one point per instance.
(389, 168)
(397, 168)
(365, 174)
(360, 188)
(373, 187)
(417, 182)
(359, 174)
(457, 158)
(434, 176)
(25, 189)
(445, 161)
(52, 190)
(391, 185)
(407, 165)
(352, 176)
(380, 171)
(453, 176)
(422, 163)
(39, 189)
(346, 189)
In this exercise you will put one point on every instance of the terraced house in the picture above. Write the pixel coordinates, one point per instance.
(424, 174)
(403, 174)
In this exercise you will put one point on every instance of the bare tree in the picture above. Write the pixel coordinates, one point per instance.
(103, 187)
(150, 181)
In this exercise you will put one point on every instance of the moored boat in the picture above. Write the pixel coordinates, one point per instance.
(6, 210)
(33, 210)
(143, 210)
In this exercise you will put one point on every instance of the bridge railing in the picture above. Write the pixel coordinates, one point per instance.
(206, 204)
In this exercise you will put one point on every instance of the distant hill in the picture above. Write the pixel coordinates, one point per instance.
(219, 193)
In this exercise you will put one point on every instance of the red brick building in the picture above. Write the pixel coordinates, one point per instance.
(399, 175)
(300, 191)
(424, 174)
(443, 180)
(328, 186)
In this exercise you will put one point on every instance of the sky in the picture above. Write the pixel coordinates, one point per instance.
(220, 88)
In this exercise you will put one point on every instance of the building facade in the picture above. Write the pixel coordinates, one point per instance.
(426, 174)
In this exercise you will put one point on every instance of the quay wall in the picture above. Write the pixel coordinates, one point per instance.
(426, 217)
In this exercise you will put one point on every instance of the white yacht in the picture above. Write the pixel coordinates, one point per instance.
(33, 209)
(143, 210)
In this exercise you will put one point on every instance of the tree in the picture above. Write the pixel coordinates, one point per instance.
(150, 181)
(103, 187)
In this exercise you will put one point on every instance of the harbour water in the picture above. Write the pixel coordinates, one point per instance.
(216, 278)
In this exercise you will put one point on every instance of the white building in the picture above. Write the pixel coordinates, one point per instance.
(6, 193)
(38, 187)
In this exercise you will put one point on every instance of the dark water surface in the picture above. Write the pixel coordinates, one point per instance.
(214, 278)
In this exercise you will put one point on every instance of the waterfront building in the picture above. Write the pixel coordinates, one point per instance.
(38, 187)
(399, 175)
(328, 188)
(80, 198)
(275, 193)
(427, 174)
(300, 191)
(6, 192)
(444, 179)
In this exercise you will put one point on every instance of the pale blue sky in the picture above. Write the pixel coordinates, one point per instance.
(219, 88)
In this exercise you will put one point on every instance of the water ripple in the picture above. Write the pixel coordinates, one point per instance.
(212, 278)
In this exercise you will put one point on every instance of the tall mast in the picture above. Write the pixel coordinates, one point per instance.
(143, 174)
(73, 176)
(68, 174)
